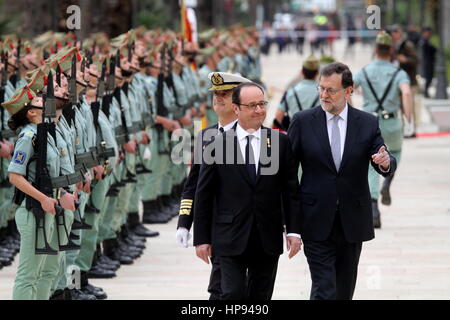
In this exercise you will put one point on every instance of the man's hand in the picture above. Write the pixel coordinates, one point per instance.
(382, 158)
(130, 146)
(294, 245)
(67, 201)
(145, 138)
(183, 236)
(203, 251)
(48, 205)
(87, 183)
(98, 172)
(186, 120)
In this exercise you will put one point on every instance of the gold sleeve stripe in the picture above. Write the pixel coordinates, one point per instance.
(185, 211)
(187, 201)
(185, 207)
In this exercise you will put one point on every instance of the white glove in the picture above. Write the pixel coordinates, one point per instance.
(147, 154)
(183, 236)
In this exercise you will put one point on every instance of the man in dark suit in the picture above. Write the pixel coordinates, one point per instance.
(243, 198)
(222, 85)
(334, 143)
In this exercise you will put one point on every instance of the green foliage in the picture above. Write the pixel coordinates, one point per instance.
(155, 14)
(7, 23)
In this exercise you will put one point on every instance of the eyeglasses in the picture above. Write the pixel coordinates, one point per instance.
(253, 105)
(329, 91)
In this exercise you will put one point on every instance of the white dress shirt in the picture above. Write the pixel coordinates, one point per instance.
(226, 127)
(342, 124)
(256, 143)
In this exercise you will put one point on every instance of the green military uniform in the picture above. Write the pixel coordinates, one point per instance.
(35, 274)
(379, 74)
(302, 96)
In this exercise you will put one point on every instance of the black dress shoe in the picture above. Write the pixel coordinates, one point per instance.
(376, 214)
(5, 261)
(123, 259)
(59, 295)
(80, 295)
(97, 292)
(129, 251)
(133, 242)
(105, 259)
(106, 266)
(142, 231)
(98, 273)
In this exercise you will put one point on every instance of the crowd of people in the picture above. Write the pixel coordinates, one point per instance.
(86, 138)
(86, 128)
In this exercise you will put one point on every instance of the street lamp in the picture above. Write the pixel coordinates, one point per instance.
(441, 87)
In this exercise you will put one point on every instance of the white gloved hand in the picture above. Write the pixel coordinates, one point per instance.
(183, 236)
(147, 154)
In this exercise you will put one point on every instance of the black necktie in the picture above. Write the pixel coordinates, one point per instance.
(221, 129)
(250, 159)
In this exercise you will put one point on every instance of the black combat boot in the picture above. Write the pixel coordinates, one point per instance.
(152, 213)
(90, 289)
(385, 190)
(135, 226)
(77, 294)
(60, 295)
(104, 260)
(111, 250)
(376, 214)
(165, 208)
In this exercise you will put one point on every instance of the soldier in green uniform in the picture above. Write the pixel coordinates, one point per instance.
(385, 89)
(303, 95)
(300, 97)
(36, 272)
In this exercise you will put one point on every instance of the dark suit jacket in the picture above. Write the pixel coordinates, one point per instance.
(227, 203)
(190, 186)
(322, 188)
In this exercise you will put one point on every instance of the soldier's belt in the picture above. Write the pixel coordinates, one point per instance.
(7, 134)
(148, 120)
(121, 137)
(90, 159)
(385, 115)
(67, 180)
(134, 128)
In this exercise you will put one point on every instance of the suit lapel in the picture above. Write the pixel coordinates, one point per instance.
(321, 131)
(352, 132)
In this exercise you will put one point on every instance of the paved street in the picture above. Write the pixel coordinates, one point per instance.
(408, 259)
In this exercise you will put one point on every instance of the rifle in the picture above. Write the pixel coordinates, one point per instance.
(19, 44)
(109, 87)
(73, 99)
(101, 150)
(42, 180)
